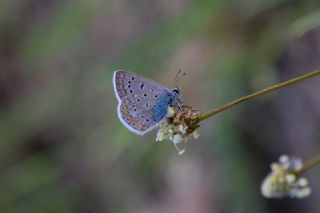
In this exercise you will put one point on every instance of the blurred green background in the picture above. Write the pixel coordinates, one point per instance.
(63, 148)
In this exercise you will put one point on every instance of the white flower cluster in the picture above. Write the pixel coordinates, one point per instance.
(284, 181)
(175, 131)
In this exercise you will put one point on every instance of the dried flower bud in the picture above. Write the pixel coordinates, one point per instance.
(179, 126)
(284, 180)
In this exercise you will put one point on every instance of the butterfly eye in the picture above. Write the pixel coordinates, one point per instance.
(176, 91)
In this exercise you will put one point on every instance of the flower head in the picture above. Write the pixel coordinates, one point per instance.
(178, 126)
(284, 180)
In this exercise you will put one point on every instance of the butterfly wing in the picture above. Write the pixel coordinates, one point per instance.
(143, 103)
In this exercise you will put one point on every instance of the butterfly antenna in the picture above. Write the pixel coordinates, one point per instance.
(176, 77)
(183, 74)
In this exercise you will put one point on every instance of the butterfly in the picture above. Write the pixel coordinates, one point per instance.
(143, 103)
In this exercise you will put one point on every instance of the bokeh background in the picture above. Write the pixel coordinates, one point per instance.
(63, 148)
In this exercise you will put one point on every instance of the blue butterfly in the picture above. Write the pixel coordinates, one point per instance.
(143, 103)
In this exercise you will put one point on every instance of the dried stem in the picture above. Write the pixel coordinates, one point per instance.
(310, 164)
(256, 94)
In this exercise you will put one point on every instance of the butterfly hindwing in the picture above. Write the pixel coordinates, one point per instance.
(143, 103)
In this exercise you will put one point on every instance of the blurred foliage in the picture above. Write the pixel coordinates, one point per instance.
(62, 147)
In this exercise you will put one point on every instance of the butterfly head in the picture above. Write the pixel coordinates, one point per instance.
(175, 92)
(175, 99)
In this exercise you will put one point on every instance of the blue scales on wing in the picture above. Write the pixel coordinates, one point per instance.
(143, 103)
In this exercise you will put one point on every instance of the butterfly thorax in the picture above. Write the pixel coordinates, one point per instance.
(170, 98)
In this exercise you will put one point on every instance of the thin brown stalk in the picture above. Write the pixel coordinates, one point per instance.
(256, 94)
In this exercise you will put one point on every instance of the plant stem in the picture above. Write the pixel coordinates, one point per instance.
(310, 164)
(256, 94)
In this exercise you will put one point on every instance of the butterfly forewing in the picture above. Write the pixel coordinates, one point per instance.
(142, 102)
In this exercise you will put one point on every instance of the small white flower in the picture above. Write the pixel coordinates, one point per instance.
(177, 138)
(183, 129)
(176, 128)
(290, 178)
(284, 159)
(303, 182)
(164, 131)
(284, 180)
(181, 151)
(196, 134)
